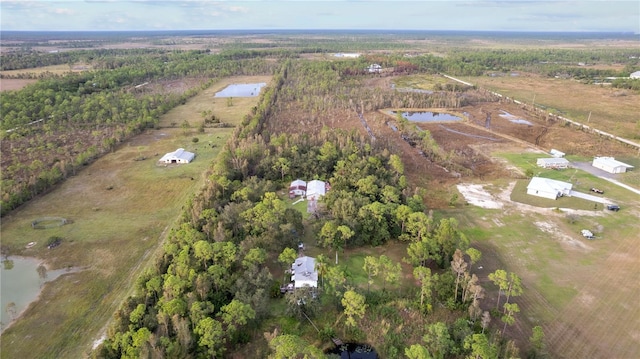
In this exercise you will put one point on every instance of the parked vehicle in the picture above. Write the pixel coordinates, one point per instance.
(613, 207)
(596, 190)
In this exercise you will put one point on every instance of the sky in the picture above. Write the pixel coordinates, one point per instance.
(475, 15)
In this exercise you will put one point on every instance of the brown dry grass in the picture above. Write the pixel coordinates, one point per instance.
(14, 84)
(54, 69)
(610, 110)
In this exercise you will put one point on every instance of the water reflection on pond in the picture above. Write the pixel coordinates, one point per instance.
(428, 116)
(353, 351)
(241, 90)
(514, 119)
(21, 280)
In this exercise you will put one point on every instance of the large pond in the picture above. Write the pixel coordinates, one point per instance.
(241, 90)
(20, 284)
(353, 351)
(427, 116)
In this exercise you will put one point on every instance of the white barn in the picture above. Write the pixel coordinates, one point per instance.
(553, 162)
(316, 189)
(548, 188)
(304, 273)
(178, 156)
(610, 165)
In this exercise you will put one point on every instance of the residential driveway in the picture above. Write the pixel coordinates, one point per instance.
(590, 197)
(587, 167)
(611, 177)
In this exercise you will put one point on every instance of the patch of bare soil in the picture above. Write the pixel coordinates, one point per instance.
(14, 84)
(475, 194)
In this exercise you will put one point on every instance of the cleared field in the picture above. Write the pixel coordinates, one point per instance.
(53, 69)
(605, 108)
(120, 210)
(578, 290)
(14, 84)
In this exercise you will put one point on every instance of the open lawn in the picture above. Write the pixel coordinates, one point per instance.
(119, 209)
(578, 290)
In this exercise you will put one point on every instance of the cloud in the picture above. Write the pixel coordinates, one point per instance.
(63, 11)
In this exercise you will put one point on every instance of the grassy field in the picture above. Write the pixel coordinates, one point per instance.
(608, 109)
(578, 290)
(421, 82)
(119, 209)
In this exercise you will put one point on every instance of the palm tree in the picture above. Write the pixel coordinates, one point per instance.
(322, 263)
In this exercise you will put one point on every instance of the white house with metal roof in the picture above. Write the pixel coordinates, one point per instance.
(610, 165)
(316, 189)
(304, 273)
(178, 156)
(548, 188)
(553, 162)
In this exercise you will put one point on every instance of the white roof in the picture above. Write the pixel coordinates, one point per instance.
(635, 75)
(304, 269)
(549, 185)
(316, 187)
(554, 160)
(180, 153)
(611, 162)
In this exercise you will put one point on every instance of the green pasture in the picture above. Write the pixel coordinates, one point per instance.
(420, 82)
(582, 182)
(119, 209)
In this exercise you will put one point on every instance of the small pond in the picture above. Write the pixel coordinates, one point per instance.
(20, 284)
(514, 119)
(353, 351)
(241, 90)
(427, 116)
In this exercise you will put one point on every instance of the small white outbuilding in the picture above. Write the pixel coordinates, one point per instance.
(548, 188)
(178, 156)
(556, 153)
(610, 165)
